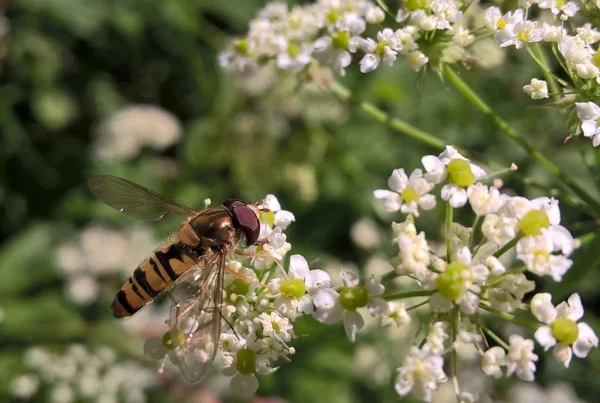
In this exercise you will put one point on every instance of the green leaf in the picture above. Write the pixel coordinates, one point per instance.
(26, 260)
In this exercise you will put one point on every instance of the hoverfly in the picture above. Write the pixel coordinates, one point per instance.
(194, 259)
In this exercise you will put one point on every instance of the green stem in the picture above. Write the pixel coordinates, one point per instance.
(408, 294)
(508, 245)
(539, 56)
(453, 354)
(510, 317)
(473, 230)
(449, 211)
(382, 117)
(501, 278)
(420, 304)
(494, 336)
(472, 97)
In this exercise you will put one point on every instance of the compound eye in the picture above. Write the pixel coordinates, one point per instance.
(248, 222)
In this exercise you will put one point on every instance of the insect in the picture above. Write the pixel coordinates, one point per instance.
(194, 260)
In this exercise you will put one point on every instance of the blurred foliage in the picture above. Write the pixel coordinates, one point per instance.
(70, 64)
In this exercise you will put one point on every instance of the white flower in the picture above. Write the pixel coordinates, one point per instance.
(492, 360)
(283, 218)
(407, 193)
(437, 336)
(498, 228)
(396, 315)
(469, 276)
(383, 51)
(421, 373)
(589, 113)
(589, 34)
(538, 253)
(436, 166)
(24, 386)
(275, 326)
(569, 8)
(573, 337)
(416, 60)
(413, 255)
(293, 57)
(462, 37)
(375, 15)
(536, 89)
(521, 358)
(508, 295)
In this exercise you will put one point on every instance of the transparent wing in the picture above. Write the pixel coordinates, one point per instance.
(196, 317)
(134, 200)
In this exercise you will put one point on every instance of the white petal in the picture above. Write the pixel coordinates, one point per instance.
(284, 218)
(298, 267)
(327, 306)
(245, 385)
(353, 322)
(563, 353)
(542, 308)
(374, 286)
(369, 63)
(586, 341)
(544, 336)
(587, 110)
(350, 278)
(272, 203)
(427, 202)
(576, 308)
(398, 180)
(317, 279)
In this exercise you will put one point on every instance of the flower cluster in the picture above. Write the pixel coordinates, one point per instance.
(261, 301)
(80, 375)
(574, 46)
(124, 134)
(98, 253)
(476, 274)
(330, 32)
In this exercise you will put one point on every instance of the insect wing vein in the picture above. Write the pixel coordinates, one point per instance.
(198, 318)
(134, 200)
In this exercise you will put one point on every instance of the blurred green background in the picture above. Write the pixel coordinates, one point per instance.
(133, 88)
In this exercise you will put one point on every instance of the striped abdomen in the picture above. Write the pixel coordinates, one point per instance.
(152, 277)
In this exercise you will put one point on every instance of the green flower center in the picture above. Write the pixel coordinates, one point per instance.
(341, 40)
(412, 5)
(293, 49)
(380, 48)
(352, 298)
(460, 172)
(293, 287)
(241, 46)
(246, 361)
(239, 286)
(450, 282)
(171, 342)
(533, 222)
(523, 36)
(410, 195)
(333, 16)
(596, 59)
(565, 330)
(267, 217)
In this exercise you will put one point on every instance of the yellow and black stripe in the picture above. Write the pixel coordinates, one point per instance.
(153, 276)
